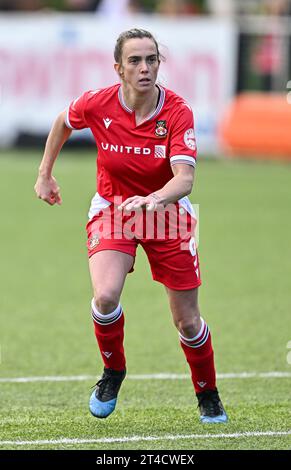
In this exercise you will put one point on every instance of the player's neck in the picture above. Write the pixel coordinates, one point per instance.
(142, 103)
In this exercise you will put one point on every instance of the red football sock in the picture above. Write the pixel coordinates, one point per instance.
(200, 357)
(109, 334)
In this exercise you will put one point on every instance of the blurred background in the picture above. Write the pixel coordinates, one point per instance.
(231, 59)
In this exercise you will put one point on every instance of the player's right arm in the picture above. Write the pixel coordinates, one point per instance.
(46, 186)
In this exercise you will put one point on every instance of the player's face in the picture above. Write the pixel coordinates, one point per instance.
(140, 64)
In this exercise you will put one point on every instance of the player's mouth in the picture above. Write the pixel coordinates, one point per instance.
(144, 81)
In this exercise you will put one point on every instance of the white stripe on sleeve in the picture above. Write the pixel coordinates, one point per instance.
(183, 159)
(68, 124)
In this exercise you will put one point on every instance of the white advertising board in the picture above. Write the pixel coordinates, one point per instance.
(47, 60)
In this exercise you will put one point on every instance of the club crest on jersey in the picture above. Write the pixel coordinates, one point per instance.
(161, 129)
(94, 241)
(189, 139)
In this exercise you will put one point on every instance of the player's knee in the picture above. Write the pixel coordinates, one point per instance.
(106, 302)
(189, 327)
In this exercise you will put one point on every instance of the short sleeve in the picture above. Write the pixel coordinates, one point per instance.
(183, 147)
(75, 118)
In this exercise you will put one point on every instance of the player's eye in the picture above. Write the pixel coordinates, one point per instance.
(134, 60)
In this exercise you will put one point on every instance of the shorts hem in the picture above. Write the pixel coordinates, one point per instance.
(114, 249)
(109, 249)
(189, 287)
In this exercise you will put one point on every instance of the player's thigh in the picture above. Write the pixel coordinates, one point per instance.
(108, 270)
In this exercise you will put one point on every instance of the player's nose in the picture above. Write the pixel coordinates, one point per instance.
(144, 66)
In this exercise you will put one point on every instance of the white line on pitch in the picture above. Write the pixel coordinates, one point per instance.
(107, 440)
(161, 376)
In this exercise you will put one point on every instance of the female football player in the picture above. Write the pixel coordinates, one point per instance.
(146, 164)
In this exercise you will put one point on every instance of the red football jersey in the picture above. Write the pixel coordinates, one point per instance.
(135, 159)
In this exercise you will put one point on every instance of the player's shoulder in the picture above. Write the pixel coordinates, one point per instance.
(101, 94)
(176, 103)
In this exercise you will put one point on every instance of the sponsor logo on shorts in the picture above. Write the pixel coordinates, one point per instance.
(94, 241)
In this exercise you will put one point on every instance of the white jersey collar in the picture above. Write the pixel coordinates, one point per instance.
(154, 113)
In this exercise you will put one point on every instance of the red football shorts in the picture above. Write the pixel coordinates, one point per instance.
(167, 237)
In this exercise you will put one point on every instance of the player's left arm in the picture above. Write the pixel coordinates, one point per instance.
(182, 155)
(177, 187)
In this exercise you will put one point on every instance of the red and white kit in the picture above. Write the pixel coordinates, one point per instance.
(136, 160)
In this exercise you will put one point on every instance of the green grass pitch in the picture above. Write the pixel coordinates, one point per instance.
(46, 330)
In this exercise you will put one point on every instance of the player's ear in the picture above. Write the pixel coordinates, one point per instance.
(119, 70)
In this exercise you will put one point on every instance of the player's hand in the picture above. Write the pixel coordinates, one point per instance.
(47, 189)
(150, 203)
